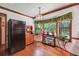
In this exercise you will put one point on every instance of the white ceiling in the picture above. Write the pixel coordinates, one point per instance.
(31, 9)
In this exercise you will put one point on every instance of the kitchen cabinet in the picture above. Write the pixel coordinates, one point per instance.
(29, 38)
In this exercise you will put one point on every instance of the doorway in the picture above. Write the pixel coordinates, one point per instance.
(3, 23)
(0, 32)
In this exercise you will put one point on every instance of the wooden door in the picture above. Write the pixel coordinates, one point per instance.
(3, 23)
(32, 38)
(27, 38)
(0, 32)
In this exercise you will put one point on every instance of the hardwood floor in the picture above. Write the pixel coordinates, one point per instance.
(2, 50)
(39, 49)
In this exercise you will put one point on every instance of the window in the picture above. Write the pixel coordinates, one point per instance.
(65, 29)
(38, 28)
(61, 26)
(47, 27)
(50, 27)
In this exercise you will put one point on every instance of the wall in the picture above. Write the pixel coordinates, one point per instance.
(73, 46)
(11, 15)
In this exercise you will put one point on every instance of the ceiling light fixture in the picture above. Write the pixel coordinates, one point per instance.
(39, 16)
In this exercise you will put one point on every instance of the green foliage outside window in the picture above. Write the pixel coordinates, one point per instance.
(65, 29)
(47, 27)
(50, 27)
(38, 28)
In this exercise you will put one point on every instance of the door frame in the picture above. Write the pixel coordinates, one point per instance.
(4, 15)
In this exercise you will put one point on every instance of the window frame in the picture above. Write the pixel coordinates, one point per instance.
(70, 28)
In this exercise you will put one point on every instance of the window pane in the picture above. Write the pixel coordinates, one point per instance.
(65, 29)
(38, 28)
(50, 27)
(47, 27)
